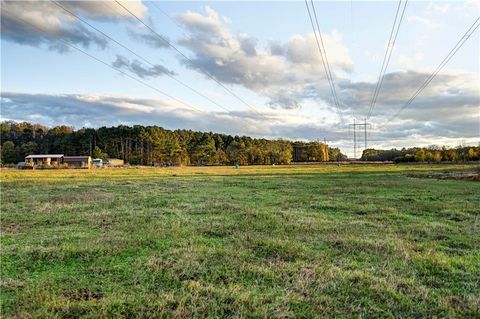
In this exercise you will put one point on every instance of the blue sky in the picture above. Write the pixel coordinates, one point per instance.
(262, 51)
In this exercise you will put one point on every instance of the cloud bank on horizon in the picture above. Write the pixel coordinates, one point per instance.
(285, 75)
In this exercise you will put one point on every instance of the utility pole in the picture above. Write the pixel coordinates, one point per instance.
(354, 139)
(355, 124)
(365, 127)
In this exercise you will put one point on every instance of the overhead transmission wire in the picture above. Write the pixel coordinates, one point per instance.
(107, 64)
(324, 52)
(166, 41)
(388, 53)
(324, 59)
(166, 14)
(449, 56)
(138, 55)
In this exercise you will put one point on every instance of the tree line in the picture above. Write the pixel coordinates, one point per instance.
(154, 145)
(429, 154)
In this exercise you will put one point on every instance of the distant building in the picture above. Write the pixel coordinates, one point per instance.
(57, 160)
(78, 161)
(52, 160)
(113, 162)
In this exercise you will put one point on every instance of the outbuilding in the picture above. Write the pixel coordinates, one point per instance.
(114, 162)
(78, 161)
(53, 160)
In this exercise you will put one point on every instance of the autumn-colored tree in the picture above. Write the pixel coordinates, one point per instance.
(472, 155)
(420, 155)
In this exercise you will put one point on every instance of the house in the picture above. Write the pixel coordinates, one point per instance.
(48, 160)
(78, 161)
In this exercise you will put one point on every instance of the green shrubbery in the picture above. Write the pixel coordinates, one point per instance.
(431, 154)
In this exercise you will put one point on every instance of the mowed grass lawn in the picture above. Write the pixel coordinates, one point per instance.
(219, 242)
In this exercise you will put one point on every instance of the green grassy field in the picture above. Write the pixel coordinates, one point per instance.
(219, 242)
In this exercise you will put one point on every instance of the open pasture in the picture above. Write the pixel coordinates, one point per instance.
(259, 241)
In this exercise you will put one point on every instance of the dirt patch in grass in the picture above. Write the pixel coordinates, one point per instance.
(467, 176)
(83, 294)
(9, 283)
(11, 228)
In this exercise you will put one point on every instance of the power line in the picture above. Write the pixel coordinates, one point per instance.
(384, 60)
(163, 39)
(138, 55)
(324, 62)
(388, 54)
(320, 50)
(324, 52)
(166, 14)
(352, 43)
(107, 64)
(449, 56)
